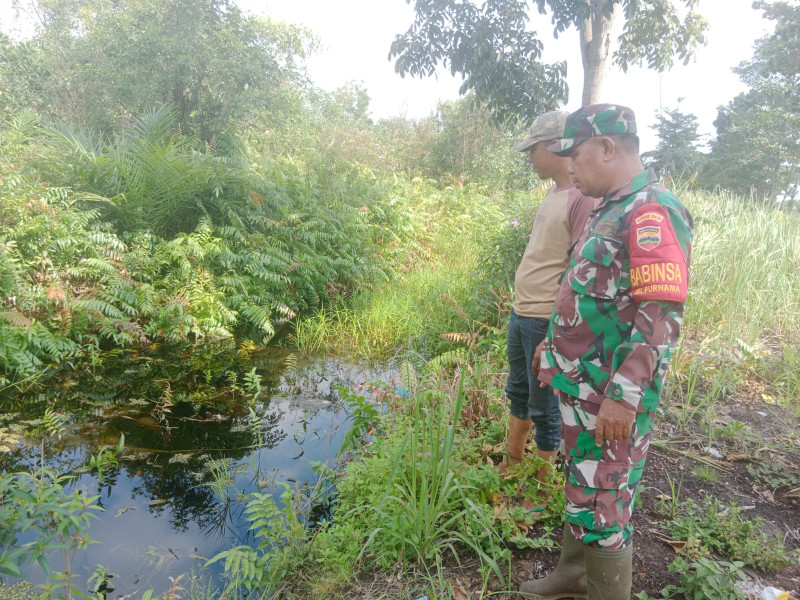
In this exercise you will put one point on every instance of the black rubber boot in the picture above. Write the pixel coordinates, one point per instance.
(608, 573)
(568, 579)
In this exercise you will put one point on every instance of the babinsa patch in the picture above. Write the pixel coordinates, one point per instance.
(657, 264)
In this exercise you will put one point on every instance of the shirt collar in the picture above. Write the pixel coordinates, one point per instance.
(644, 178)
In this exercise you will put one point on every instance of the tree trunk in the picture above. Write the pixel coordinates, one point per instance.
(595, 43)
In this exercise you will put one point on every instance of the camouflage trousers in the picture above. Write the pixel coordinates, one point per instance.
(601, 481)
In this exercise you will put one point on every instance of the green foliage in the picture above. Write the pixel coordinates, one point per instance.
(95, 63)
(436, 294)
(39, 506)
(758, 249)
(500, 257)
(222, 474)
(282, 545)
(364, 418)
(722, 530)
(756, 153)
(775, 474)
(490, 48)
(24, 72)
(457, 144)
(54, 260)
(162, 226)
(236, 262)
(676, 154)
(412, 495)
(653, 32)
(707, 474)
(784, 374)
(704, 579)
(424, 506)
(498, 55)
(157, 179)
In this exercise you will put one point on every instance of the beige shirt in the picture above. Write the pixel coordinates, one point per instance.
(558, 224)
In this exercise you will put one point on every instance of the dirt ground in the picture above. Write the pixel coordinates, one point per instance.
(756, 433)
(770, 436)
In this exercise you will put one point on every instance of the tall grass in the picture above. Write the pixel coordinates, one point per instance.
(744, 275)
(413, 311)
(438, 292)
(425, 508)
(744, 288)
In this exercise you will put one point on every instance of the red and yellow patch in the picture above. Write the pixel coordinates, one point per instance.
(658, 266)
(643, 275)
(648, 237)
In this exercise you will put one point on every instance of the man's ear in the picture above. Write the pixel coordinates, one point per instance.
(608, 147)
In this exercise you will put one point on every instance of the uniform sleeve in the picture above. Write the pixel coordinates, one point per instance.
(660, 248)
(640, 363)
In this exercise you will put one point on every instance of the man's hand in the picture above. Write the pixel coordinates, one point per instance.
(537, 357)
(614, 422)
(536, 364)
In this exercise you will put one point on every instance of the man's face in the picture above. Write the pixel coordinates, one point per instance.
(586, 167)
(542, 159)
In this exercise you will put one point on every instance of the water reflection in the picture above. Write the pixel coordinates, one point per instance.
(176, 496)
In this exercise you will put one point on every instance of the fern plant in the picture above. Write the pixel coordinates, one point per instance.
(156, 178)
(171, 241)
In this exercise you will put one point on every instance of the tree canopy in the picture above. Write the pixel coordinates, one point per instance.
(499, 56)
(99, 61)
(676, 153)
(757, 149)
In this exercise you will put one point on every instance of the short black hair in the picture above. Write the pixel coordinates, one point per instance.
(628, 141)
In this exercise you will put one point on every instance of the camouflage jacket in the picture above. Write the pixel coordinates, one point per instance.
(619, 308)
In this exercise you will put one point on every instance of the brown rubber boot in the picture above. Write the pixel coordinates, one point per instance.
(568, 579)
(608, 573)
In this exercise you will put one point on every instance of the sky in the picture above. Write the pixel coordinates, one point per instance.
(355, 37)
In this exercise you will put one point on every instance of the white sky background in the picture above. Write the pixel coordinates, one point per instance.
(356, 35)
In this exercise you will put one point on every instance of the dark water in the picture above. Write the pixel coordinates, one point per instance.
(185, 430)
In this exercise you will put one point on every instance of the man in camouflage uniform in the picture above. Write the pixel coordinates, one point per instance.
(616, 319)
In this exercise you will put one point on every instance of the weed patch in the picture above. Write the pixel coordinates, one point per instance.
(724, 531)
(775, 474)
(704, 579)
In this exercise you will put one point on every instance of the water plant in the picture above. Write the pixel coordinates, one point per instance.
(39, 505)
(282, 545)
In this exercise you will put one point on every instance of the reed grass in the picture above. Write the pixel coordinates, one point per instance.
(745, 273)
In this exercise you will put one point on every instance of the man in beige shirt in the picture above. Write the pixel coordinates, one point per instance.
(558, 224)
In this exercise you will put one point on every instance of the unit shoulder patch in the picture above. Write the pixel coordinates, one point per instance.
(657, 263)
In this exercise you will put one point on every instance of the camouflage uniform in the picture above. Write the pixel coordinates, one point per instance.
(616, 318)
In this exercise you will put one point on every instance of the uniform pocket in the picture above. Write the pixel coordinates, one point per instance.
(600, 494)
(598, 268)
